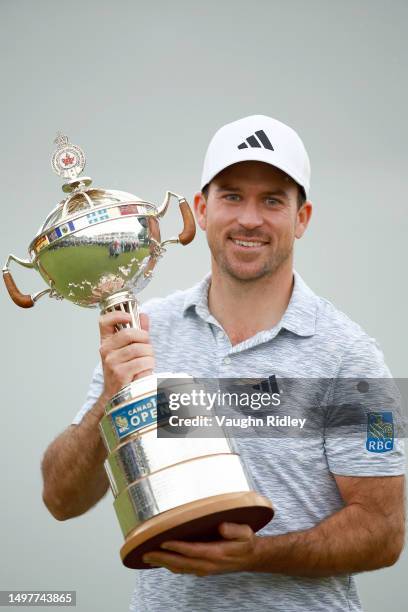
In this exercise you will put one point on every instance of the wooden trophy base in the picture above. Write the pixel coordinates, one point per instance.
(197, 521)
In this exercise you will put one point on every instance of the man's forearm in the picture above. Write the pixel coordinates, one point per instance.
(72, 467)
(350, 540)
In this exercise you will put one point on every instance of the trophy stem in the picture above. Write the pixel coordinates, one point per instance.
(126, 302)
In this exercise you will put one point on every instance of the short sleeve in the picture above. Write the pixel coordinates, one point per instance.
(94, 392)
(364, 421)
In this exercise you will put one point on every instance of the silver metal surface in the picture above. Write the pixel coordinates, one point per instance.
(87, 266)
(177, 485)
(100, 247)
(146, 454)
(26, 263)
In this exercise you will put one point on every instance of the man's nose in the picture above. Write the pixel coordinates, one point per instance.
(249, 215)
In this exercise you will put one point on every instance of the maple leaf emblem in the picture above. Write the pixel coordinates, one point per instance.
(67, 160)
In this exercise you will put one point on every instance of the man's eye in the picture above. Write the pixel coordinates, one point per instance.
(272, 201)
(232, 197)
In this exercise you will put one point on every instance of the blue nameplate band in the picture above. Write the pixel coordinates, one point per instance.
(135, 416)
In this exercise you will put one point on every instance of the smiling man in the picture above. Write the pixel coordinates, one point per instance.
(339, 506)
(251, 212)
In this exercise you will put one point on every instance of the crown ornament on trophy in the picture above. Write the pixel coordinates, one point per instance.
(99, 248)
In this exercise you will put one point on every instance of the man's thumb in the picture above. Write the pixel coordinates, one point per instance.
(144, 321)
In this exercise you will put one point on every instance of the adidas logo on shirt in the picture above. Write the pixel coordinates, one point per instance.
(254, 142)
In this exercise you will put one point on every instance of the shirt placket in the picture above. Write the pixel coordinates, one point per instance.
(224, 357)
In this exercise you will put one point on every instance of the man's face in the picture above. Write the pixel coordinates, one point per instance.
(251, 219)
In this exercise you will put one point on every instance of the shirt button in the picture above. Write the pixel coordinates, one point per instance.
(227, 360)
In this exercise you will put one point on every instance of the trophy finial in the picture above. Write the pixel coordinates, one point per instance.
(68, 161)
(61, 140)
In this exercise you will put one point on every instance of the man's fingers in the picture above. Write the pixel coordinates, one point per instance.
(179, 563)
(135, 368)
(233, 531)
(108, 322)
(208, 551)
(122, 338)
(128, 352)
(142, 365)
(193, 550)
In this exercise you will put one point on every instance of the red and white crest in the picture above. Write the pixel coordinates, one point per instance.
(68, 160)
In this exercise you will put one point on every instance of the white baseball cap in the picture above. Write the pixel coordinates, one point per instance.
(258, 138)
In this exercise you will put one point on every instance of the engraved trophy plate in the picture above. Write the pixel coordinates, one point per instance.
(99, 247)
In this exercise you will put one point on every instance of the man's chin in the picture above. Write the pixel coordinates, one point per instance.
(246, 274)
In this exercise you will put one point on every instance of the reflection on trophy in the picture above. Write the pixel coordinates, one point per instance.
(100, 247)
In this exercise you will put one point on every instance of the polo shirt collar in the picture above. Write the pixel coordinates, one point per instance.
(299, 317)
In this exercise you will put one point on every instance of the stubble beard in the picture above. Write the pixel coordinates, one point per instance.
(269, 267)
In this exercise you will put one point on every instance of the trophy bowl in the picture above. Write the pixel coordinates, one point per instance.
(96, 243)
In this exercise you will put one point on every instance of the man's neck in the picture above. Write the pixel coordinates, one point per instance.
(246, 308)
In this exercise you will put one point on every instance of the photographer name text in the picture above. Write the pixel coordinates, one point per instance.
(241, 422)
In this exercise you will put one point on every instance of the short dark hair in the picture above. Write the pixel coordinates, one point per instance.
(301, 198)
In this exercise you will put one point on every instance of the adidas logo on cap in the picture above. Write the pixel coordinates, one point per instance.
(254, 142)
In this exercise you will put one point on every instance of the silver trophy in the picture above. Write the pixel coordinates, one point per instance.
(99, 247)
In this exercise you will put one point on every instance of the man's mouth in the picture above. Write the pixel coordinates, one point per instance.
(249, 244)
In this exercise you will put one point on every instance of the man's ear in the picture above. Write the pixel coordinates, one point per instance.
(200, 209)
(303, 217)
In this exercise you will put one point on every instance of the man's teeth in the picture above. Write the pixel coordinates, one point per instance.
(247, 243)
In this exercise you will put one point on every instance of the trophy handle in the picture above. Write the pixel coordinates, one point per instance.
(24, 300)
(189, 229)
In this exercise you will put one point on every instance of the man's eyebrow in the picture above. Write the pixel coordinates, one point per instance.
(280, 192)
(273, 192)
(226, 187)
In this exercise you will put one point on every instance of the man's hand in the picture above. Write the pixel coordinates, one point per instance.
(367, 534)
(235, 553)
(126, 354)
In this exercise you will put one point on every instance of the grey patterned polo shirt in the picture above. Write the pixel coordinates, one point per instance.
(313, 339)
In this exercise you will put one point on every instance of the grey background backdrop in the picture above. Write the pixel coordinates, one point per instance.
(142, 87)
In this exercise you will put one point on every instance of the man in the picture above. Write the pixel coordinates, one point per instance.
(340, 507)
